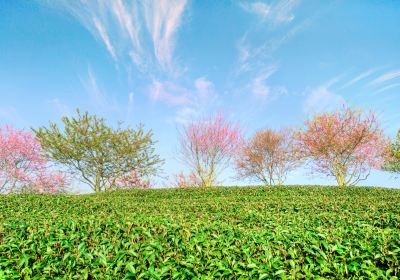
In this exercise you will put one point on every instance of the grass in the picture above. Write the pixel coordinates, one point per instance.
(246, 232)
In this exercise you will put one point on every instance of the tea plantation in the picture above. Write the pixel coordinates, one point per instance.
(230, 233)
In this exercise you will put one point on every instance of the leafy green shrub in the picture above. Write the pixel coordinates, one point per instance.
(252, 232)
(103, 157)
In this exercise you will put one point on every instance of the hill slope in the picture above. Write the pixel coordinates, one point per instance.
(288, 232)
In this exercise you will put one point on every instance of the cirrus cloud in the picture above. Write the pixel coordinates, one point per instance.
(127, 28)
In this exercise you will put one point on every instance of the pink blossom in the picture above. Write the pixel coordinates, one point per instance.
(207, 147)
(131, 180)
(186, 181)
(22, 165)
(345, 145)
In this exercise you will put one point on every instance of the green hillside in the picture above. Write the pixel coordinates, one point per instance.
(246, 232)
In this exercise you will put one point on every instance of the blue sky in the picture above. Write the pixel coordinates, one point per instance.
(162, 63)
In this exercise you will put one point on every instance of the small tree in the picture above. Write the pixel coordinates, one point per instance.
(23, 169)
(186, 181)
(97, 154)
(345, 145)
(393, 162)
(207, 147)
(131, 181)
(268, 157)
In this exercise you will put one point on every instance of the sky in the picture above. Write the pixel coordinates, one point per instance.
(266, 64)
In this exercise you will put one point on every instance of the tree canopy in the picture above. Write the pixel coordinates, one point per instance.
(97, 154)
(345, 145)
(393, 163)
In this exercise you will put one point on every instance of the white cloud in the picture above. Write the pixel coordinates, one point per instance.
(191, 101)
(259, 8)
(61, 108)
(201, 92)
(125, 28)
(277, 13)
(185, 115)
(283, 10)
(163, 19)
(322, 99)
(244, 55)
(359, 78)
(97, 95)
(168, 93)
(261, 89)
(386, 77)
(258, 85)
(205, 89)
(128, 22)
(104, 36)
(130, 103)
(254, 57)
(385, 88)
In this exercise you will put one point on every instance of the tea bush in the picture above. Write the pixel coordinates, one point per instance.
(235, 233)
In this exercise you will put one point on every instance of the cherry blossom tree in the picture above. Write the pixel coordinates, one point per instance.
(132, 180)
(23, 167)
(182, 180)
(345, 145)
(207, 146)
(268, 156)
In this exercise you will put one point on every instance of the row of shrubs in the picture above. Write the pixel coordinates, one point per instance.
(345, 145)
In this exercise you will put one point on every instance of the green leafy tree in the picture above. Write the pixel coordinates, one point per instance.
(97, 154)
(393, 163)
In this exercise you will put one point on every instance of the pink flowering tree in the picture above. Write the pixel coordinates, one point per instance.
(132, 180)
(23, 167)
(182, 180)
(207, 146)
(344, 145)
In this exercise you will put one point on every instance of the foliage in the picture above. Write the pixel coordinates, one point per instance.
(247, 233)
(97, 154)
(268, 156)
(345, 145)
(207, 147)
(22, 166)
(393, 162)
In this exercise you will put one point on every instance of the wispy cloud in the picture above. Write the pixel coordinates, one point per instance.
(279, 12)
(321, 99)
(252, 57)
(130, 104)
(272, 45)
(359, 78)
(168, 93)
(126, 26)
(104, 36)
(61, 108)
(259, 87)
(189, 101)
(97, 94)
(205, 90)
(163, 19)
(185, 115)
(386, 77)
(128, 21)
(385, 88)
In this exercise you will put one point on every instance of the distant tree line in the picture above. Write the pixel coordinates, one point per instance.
(345, 145)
